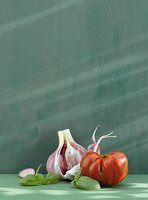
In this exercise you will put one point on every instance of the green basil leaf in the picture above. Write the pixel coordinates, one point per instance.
(41, 179)
(77, 176)
(29, 180)
(52, 178)
(86, 183)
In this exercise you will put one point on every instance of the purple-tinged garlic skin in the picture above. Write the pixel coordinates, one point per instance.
(26, 172)
(67, 155)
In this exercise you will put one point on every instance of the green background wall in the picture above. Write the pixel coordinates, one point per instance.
(72, 64)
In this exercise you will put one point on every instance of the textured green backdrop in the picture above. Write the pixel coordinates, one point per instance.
(72, 64)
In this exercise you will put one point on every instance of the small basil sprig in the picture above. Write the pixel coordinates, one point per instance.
(85, 182)
(39, 179)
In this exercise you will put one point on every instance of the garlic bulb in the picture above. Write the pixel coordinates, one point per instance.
(67, 155)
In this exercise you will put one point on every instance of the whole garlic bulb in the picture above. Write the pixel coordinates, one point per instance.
(67, 155)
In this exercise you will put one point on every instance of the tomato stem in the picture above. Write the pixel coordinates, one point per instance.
(103, 156)
(101, 138)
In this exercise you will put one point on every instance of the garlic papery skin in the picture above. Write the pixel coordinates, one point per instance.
(67, 155)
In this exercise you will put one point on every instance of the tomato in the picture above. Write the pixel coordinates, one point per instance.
(107, 169)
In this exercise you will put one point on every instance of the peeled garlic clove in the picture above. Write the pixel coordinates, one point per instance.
(67, 155)
(26, 172)
(70, 174)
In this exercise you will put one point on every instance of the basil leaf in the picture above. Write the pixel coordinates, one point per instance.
(32, 180)
(52, 178)
(86, 183)
(29, 180)
(41, 179)
(77, 176)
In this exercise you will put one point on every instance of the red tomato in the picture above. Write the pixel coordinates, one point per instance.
(108, 169)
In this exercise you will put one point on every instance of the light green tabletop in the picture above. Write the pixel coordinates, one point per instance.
(133, 187)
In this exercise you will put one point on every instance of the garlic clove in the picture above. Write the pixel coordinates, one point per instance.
(74, 151)
(72, 142)
(26, 172)
(70, 174)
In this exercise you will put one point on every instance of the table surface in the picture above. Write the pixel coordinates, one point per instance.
(133, 187)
